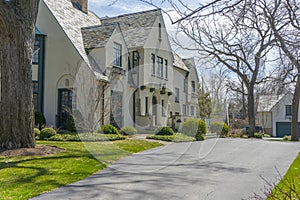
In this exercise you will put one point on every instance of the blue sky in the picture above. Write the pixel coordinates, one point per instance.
(107, 8)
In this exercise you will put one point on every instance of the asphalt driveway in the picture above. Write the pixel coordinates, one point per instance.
(213, 169)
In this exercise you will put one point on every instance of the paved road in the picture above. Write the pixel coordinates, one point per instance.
(214, 169)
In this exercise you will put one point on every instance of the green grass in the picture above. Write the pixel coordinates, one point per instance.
(289, 186)
(27, 176)
(177, 137)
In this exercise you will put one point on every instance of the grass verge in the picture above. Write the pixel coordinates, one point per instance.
(26, 177)
(177, 137)
(289, 185)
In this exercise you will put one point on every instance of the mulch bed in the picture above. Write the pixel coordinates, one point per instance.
(39, 150)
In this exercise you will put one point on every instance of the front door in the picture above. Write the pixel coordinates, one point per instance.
(64, 106)
(154, 110)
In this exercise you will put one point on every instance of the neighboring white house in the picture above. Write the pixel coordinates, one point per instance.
(130, 67)
(274, 114)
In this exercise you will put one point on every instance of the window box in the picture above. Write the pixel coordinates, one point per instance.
(118, 70)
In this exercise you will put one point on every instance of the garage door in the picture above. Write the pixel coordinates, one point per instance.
(284, 128)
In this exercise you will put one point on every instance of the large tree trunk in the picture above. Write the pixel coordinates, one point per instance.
(295, 109)
(251, 111)
(17, 24)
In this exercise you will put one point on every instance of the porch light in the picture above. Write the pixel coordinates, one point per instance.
(163, 90)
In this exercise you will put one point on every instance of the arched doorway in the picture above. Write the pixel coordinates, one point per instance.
(154, 110)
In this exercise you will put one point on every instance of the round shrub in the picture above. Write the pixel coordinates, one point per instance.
(165, 131)
(190, 127)
(108, 129)
(258, 135)
(287, 138)
(36, 132)
(128, 130)
(47, 133)
(71, 126)
(220, 128)
(201, 131)
(39, 120)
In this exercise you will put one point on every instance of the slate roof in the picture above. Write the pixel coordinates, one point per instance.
(97, 36)
(267, 102)
(72, 20)
(178, 62)
(135, 27)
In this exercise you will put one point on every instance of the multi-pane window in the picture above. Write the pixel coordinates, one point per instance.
(288, 110)
(177, 95)
(193, 86)
(135, 59)
(153, 63)
(36, 52)
(166, 67)
(192, 111)
(146, 105)
(160, 70)
(185, 85)
(163, 113)
(117, 55)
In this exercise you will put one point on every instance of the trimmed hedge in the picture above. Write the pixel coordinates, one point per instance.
(36, 132)
(47, 133)
(220, 128)
(108, 129)
(86, 137)
(165, 131)
(177, 137)
(258, 135)
(128, 130)
(190, 127)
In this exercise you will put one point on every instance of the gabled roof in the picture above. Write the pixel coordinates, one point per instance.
(97, 36)
(178, 62)
(267, 102)
(135, 27)
(72, 20)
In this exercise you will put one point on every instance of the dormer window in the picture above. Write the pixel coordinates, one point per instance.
(117, 55)
(135, 59)
(193, 87)
(159, 31)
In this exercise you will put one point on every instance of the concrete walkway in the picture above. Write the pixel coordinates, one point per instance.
(213, 169)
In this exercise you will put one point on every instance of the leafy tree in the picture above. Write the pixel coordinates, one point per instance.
(17, 25)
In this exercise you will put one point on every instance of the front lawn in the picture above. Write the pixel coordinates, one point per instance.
(28, 176)
(177, 137)
(289, 186)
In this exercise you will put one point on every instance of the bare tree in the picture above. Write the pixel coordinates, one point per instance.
(238, 39)
(284, 20)
(17, 24)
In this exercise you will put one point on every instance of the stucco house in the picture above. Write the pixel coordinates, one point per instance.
(274, 114)
(119, 70)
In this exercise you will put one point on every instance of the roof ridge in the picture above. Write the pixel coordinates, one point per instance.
(100, 25)
(128, 14)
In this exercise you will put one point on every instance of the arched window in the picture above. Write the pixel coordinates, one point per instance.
(159, 31)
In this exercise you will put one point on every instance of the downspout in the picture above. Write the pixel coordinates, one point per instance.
(135, 91)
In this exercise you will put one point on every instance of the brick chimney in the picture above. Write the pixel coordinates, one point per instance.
(83, 4)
